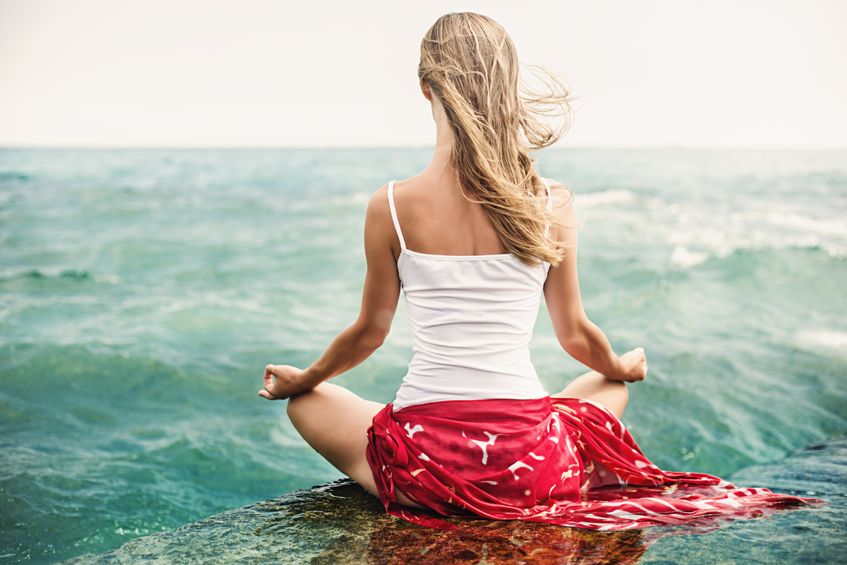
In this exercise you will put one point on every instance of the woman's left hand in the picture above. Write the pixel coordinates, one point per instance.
(282, 381)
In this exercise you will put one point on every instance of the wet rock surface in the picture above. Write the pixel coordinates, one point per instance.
(339, 522)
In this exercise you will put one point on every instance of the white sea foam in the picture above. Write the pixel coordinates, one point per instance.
(698, 234)
(836, 228)
(684, 257)
(819, 337)
(603, 198)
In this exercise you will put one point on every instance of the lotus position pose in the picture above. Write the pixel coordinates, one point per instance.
(475, 240)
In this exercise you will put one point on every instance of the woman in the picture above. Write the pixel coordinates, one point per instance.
(474, 240)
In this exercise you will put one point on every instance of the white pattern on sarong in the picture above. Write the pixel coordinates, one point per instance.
(483, 445)
(519, 465)
(412, 431)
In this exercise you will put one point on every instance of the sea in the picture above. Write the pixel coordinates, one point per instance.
(142, 292)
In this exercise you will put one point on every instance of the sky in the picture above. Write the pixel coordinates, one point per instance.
(257, 73)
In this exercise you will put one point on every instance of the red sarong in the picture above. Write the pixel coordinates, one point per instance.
(565, 461)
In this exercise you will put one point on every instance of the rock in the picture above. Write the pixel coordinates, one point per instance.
(339, 522)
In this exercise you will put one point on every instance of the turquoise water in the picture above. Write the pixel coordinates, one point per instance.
(144, 291)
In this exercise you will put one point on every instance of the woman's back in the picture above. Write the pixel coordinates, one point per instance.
(436, 217)
(472, 315)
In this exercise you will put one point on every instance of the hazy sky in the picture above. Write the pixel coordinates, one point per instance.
(738, 73)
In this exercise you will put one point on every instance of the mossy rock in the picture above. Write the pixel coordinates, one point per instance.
(339, 522)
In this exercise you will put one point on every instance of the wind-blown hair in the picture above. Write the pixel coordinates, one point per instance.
(471, 66)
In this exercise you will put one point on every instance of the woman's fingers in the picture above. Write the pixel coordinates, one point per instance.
(280, 381)
(268, 379)
(640, 374)
(271, 373)
(265, 393)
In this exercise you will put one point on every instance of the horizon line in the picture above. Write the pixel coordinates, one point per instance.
(34, 146)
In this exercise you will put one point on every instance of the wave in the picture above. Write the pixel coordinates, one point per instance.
(14, 176)
(70, 274)
(686, 258)
(698, 235)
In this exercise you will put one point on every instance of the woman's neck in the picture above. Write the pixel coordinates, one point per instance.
(440, 161)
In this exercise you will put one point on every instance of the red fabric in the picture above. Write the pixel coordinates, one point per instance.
(563, 461)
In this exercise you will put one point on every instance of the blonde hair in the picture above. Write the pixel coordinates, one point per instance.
(471, 65)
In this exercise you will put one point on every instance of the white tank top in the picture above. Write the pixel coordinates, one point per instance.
(472, 318)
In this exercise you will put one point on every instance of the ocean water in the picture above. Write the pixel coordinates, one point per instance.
(143, 291)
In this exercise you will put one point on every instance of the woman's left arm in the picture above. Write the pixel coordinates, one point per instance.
(379, 303)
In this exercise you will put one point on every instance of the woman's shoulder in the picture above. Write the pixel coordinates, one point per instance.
(378, 205)
(378, 209)
(401, 186)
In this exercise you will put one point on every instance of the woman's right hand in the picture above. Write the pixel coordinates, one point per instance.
(282, 381)
(634, 365)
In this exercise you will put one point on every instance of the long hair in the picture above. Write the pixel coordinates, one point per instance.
(471, 65)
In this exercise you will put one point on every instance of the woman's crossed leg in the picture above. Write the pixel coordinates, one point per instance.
(335, 422)
(614, 395)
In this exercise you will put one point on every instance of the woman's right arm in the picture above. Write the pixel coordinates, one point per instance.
(578, 335)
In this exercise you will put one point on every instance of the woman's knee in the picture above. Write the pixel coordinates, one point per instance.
(584, 385)
(615, 396)
(595, 386)
(302, 401)
(326, 402)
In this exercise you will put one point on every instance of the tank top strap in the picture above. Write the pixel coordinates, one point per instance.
(394, 215)
(549, 204)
